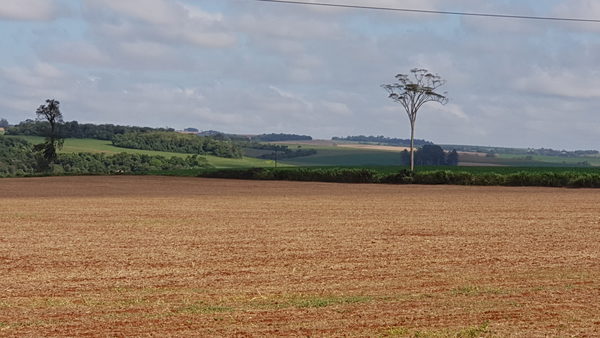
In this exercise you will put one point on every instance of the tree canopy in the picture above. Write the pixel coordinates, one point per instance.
(412, 92)
(48, 150)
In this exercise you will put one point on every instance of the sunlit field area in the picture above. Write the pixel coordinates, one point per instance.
(168, 256)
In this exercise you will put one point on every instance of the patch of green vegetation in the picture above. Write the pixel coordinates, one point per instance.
(73, 145)
(471, 290)
(468, 332)
(203, 308)
(52, 302)
(317, 301)
(396, 331)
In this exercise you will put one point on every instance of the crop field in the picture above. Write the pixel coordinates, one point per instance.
(346, 156)
(173, 256)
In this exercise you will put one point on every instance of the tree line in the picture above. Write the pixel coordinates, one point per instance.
(280, 137)
(74, 129)
(177, 143)
(382, 140)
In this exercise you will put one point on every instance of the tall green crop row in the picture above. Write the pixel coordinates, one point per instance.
(541, 177)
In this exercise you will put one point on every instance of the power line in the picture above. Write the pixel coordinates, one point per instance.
(506, 16)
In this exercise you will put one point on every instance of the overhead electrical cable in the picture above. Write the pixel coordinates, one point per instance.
(425, 11)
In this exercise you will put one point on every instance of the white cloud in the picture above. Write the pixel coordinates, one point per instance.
(581, 9)
(337, 108)
(34, 10)
(167, 22)
(81, 53)
(562, 83)
(157, 12)
(454, 110)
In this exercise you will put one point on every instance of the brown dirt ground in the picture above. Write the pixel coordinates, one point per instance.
(158, 256)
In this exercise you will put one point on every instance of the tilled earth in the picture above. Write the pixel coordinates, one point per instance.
(139, 256)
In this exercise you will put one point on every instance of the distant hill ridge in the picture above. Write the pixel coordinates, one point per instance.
(383, 140)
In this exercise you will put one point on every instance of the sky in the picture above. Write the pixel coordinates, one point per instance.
(249, 67)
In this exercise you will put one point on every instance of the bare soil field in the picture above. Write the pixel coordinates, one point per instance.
(159, 256)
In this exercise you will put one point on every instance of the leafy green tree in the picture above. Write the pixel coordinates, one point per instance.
(50, 112)
(4, 123)
(413, 91)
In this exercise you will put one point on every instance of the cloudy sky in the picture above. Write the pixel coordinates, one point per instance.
(243, 66)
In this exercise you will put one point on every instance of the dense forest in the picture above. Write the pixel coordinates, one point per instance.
(73, 129)
(382, 140)
(178, 143)
(17, 158)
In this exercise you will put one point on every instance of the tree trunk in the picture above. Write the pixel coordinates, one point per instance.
(412, 146)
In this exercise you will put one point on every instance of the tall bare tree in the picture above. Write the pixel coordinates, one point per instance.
(50, 112)
(412, 91)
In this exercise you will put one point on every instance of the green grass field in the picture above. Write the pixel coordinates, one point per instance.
(342, 156)
(73, 145)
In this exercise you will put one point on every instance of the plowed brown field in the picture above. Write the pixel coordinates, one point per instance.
(131, 256)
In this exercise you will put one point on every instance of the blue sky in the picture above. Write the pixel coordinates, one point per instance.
(243, 66)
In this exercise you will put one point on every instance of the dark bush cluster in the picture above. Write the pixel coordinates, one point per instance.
(341, 175)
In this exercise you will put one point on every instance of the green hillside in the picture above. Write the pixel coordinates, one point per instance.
(329, 156)
(73, 145)
(347, 157)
